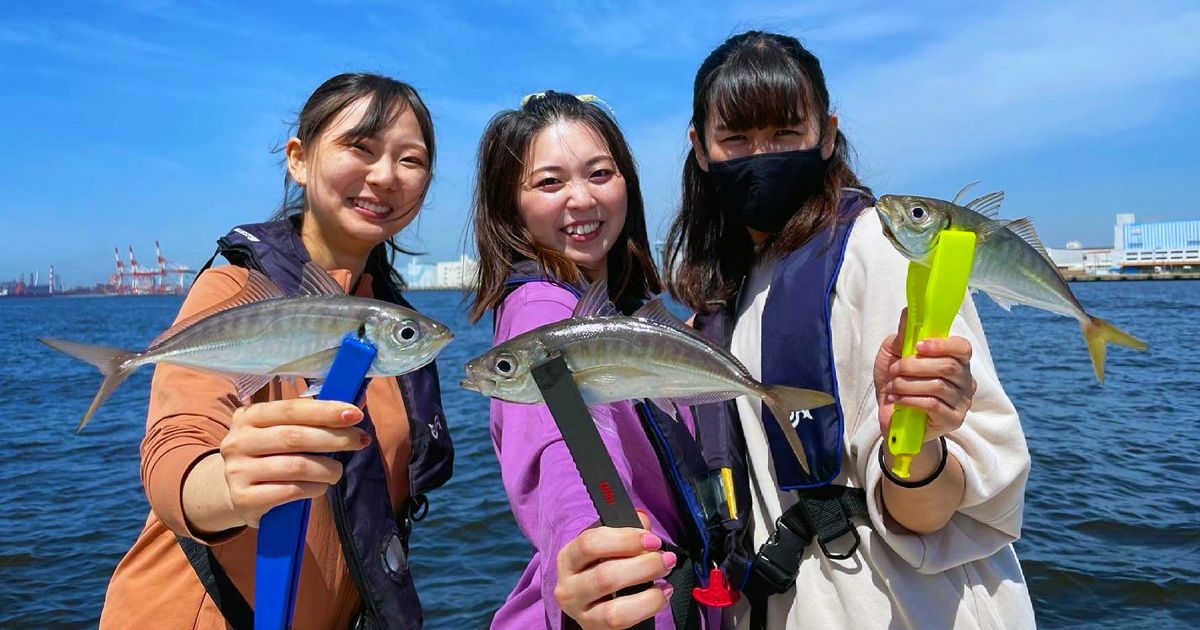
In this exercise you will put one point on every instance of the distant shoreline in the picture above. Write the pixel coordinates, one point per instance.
(1130, 277)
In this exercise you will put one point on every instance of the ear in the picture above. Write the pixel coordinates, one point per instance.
(830, 138)
(697, 150)
(297, 161)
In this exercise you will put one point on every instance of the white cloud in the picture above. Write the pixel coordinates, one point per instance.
(1017, 80)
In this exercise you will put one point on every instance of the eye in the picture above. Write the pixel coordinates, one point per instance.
(360, 147)
(602, 175)
(787, 132)
(407, 331)
(917, 213)
(737, 137)
(413, 161)
(504, 365)
(549, 184)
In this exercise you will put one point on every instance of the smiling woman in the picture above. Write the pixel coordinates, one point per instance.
(557, 205)
(213, 464)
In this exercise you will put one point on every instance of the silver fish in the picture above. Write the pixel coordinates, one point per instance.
(1010, 265)
(259, 334)
(651, 354)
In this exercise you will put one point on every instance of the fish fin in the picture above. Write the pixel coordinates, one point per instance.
(314, 280)
(655, 310)
(668, 406)
(313, 389)
(247, 384)
(311, 364)
(706, 398)
(1023, 228)
(988, 205)
(258, 287)
(595, 302)
(987, 229)
(609, 374)
(962, 192)
(115, 364)
(1098, 334)
(1000, 301)
(782, 401)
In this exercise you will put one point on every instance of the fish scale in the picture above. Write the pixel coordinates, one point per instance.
(259, 334)
(1010, 263)
(648, 355)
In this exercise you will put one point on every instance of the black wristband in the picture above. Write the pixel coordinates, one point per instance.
(904, 483)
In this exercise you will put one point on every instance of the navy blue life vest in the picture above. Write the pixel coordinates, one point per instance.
(374, 538)
(799, 353)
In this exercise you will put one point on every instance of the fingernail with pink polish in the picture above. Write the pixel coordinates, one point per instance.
(669, 560)
(667, 591)
(650, 542)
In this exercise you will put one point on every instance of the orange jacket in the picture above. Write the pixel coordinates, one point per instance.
(189, 415)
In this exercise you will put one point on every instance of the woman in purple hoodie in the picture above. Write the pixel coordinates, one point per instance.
(557, 198)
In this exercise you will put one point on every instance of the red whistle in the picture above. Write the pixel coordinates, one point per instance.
(717, 594)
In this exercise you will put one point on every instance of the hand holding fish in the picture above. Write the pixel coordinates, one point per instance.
(936, 380)
(603, 560)
(271, 457)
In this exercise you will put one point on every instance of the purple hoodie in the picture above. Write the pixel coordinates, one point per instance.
(547, 495)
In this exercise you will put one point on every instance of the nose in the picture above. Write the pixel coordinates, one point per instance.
(383, 174)
(579, 196)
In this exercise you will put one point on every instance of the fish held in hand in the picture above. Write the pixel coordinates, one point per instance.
(259, 334)
(651, 354)
(1011, 265)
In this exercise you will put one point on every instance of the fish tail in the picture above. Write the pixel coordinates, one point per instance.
(1098, 334)
(782, 401)
(113, 363)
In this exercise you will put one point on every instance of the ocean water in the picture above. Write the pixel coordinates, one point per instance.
(1111, 536)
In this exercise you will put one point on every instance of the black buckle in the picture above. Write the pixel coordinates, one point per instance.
(778, 560)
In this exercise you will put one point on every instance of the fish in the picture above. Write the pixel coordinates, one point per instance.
(1010, 265)
(613, 357)
(259, 334)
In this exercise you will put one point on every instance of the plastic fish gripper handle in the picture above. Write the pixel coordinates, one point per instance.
(281, 531)
(935, 293)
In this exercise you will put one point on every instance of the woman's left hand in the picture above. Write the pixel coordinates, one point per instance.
(937, 380)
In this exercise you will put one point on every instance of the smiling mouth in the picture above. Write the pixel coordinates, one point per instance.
(375, 209)
(583, 229)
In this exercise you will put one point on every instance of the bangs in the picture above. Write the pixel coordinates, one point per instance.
(758, 87)
(385, 107)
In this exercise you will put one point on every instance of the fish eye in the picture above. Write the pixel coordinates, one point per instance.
(504, 365)
(407, 331)
(917, 213)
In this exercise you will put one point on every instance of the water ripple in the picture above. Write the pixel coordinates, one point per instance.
(1111, 536)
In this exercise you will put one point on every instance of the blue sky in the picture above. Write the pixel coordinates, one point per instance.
(126, 122)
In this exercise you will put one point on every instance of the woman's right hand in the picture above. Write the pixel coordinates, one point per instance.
(272, 452)
(604, 560)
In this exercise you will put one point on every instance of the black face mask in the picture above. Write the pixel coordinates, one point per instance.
(763, 191)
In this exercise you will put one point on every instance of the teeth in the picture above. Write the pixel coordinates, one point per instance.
(377, 209)
(579, 229)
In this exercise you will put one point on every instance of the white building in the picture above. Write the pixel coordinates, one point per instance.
(1095, 261)
(459, 274)
(419, 275)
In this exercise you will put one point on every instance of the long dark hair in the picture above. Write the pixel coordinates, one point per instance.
(752, 80)
(501, 236)
(389, 100)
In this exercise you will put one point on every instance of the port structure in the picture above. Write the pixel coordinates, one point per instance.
(166, 278)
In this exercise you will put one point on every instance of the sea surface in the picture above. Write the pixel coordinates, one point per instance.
(1112, 520)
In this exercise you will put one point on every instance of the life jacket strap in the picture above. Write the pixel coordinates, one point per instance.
(823, 514)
